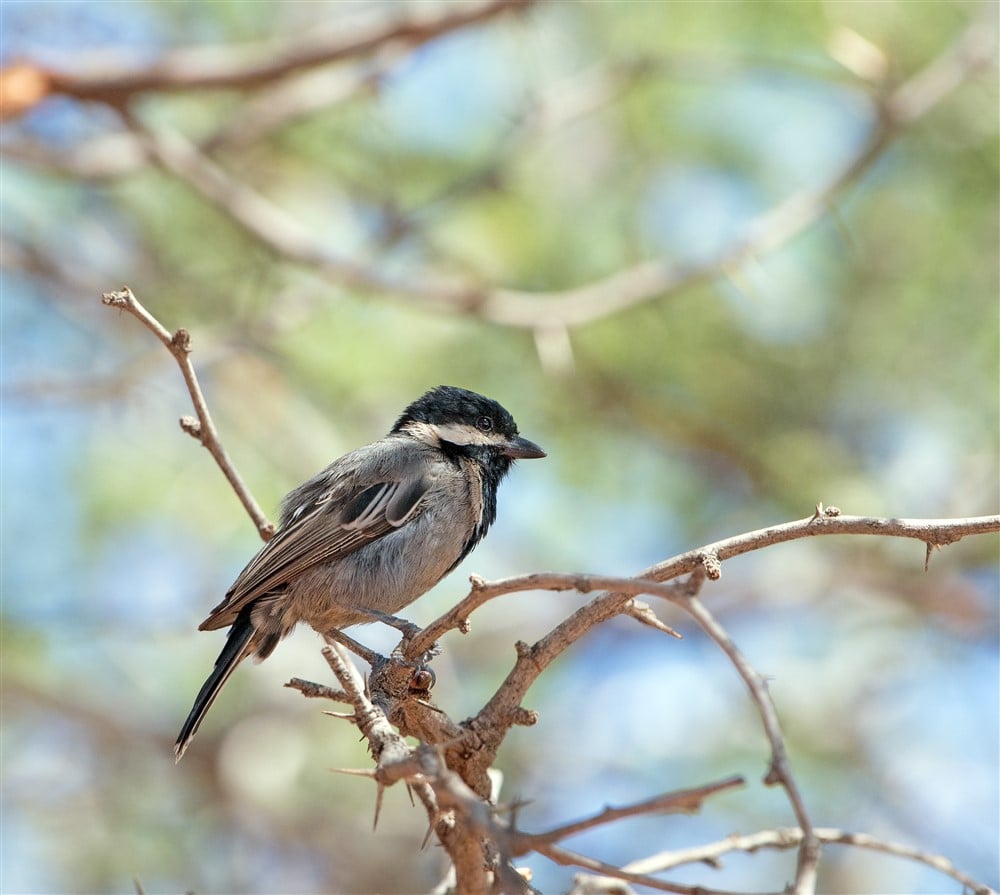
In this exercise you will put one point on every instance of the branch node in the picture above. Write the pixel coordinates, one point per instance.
(822, 512)
(774, 776)
(191, 425)
(118, 299)
(709, 561)
(523, 717)
(181, 341)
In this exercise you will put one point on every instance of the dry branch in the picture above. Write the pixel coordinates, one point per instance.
(100, 78)
(470, 843)
(202, 428)
(685, 801)
(533, 660)
(791, 837)
(449, 773)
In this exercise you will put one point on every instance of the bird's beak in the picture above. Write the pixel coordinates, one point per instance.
(522, 449)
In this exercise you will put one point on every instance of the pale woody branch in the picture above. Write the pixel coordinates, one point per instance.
(791, 837)
(440, 773)
(686, 801)
(936, 532)
(202, 428)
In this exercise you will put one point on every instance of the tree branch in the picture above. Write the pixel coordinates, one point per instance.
(483, 591)
(791, 837)
(472, 834)
(686, 801)
(555, 310)
(488, 729)
(114, 81)
(202, 428)
(780, 771)
(710, 557)
(568, 858)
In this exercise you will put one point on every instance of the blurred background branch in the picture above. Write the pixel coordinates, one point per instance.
(719, 259)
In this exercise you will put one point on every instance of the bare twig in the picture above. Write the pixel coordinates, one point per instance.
(312, 690)
(791, 837)
(483, 591)
(571, 859)
(113, 156)
(780, 771)
(202, 428)
(684, 801)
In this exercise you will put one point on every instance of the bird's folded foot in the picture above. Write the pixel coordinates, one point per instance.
(422, 680)
(407, 629)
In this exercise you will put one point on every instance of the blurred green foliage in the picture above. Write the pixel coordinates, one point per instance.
(856, 364)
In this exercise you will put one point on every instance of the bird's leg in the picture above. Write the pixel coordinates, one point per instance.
(408, 630)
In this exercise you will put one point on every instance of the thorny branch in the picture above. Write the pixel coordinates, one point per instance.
(463, 822)
(474, 751)
(448, 773)
(682, 801)
(504, 709)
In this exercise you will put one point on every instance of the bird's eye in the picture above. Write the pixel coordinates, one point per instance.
(485, 423)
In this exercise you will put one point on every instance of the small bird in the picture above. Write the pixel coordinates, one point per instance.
(372, 532)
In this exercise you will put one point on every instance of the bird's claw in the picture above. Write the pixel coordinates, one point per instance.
(423, 679)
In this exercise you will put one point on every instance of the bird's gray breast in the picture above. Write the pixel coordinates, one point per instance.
(391, 572)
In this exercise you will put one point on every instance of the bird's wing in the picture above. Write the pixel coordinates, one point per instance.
(329, 517)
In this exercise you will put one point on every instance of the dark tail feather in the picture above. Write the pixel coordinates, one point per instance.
(232, 653)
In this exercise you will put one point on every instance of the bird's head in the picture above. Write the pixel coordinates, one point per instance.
(457, 420)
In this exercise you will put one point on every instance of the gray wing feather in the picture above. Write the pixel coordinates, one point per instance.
(353, 507)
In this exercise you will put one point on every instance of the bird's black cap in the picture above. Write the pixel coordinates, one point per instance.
(451, 404)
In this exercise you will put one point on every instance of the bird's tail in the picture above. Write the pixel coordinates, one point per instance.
(236, 649)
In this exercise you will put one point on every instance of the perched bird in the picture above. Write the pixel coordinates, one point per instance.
(372, 532)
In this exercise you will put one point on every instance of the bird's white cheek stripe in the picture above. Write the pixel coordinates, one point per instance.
(458, 433)
(425, 433)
